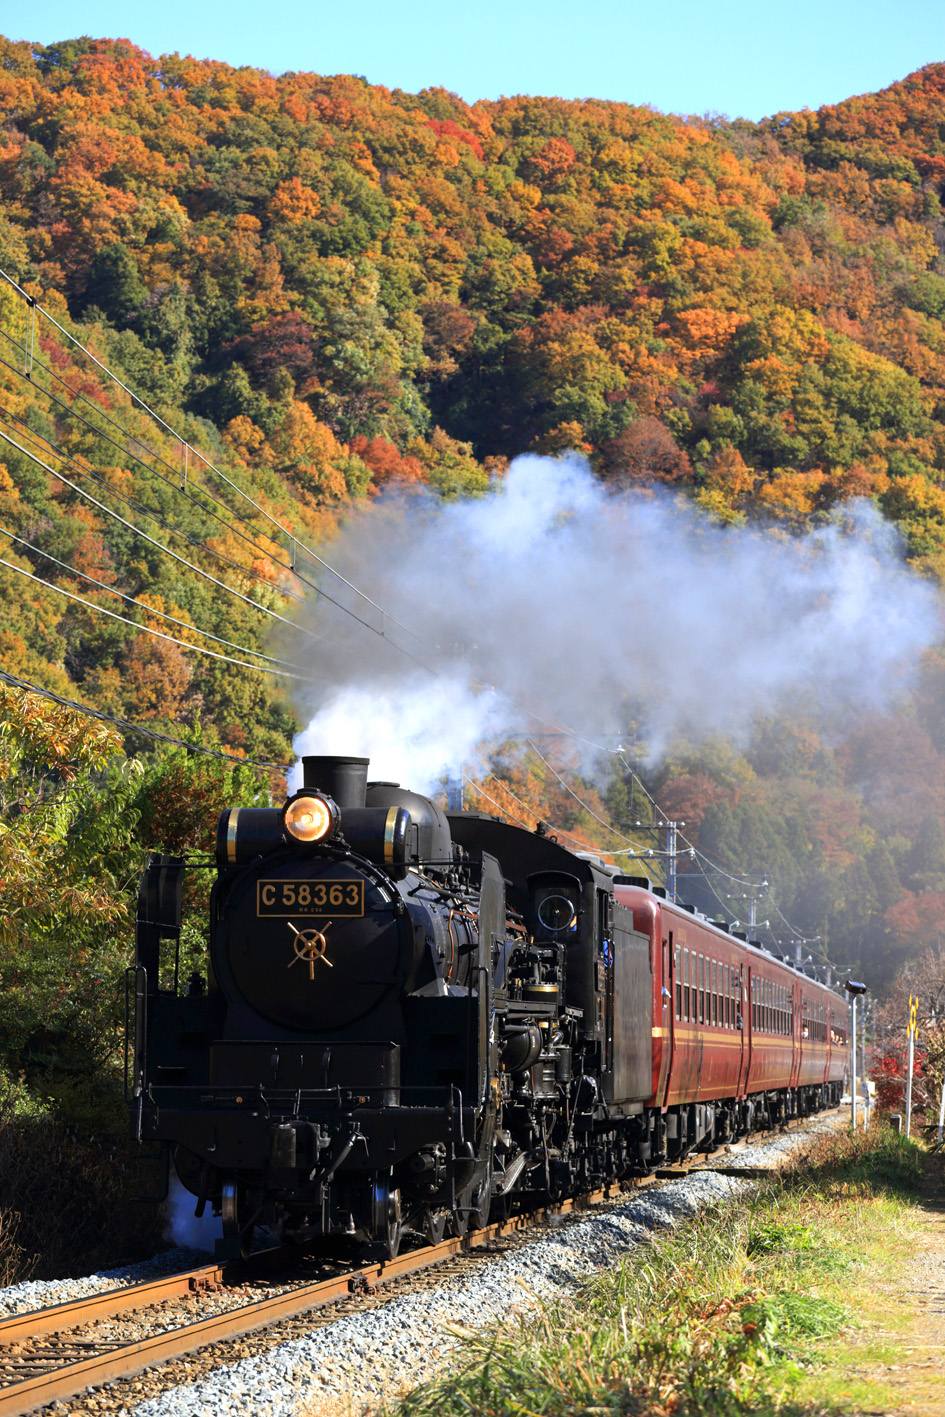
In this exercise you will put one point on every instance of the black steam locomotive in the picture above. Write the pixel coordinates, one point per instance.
(410, 1022)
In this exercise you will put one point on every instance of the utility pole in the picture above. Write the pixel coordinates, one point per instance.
(799, 945)
(864, 1022)
(752, 898)
(671, 860)
(454, 792)
(853, 1072)
(854, 989)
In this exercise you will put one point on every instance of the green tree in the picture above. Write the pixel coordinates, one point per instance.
(114, 285)
(925, 863)
(68, 861)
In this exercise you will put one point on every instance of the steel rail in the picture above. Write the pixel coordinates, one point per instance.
(33, 1323)
(105, 1305)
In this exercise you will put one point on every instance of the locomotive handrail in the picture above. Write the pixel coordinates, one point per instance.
(136, 988)
(250, 1093)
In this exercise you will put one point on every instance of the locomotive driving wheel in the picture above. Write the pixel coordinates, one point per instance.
(387, 1215)
(238, 1224)
(481, 1199)
(475, 1202)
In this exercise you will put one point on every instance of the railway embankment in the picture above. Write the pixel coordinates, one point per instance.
(820, 1292)
(802, 1274)
(384, 1344)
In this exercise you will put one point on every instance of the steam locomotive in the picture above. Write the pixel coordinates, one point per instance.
(412, 1022)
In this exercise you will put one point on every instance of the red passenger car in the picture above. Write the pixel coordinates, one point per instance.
(738, 1035)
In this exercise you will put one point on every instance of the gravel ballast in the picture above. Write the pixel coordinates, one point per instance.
(365, 1357)
(44, 1293)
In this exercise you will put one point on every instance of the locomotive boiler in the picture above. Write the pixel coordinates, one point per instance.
(410, 1022)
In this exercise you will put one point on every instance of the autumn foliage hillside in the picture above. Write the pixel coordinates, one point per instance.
(330, 288)
(751, 311)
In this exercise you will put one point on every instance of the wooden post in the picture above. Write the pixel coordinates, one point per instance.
(913, 1006)
(853, 1077)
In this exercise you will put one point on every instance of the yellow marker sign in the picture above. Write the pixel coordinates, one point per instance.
(913, 1010)
(310, 946)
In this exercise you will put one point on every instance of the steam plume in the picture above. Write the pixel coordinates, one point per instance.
(553, 596)
(183, 1227)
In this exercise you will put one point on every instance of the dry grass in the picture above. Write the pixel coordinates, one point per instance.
(758, 1308)
(66, 1203)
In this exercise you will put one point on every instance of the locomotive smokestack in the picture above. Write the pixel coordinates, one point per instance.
(342, 779)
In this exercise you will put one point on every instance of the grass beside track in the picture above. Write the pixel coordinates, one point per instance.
(794, 1301)
(67, 1203)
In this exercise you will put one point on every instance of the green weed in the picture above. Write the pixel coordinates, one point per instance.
(774, 1237)
(783, 1319)
(729, 1316)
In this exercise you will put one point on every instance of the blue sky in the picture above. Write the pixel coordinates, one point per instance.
(730, 57)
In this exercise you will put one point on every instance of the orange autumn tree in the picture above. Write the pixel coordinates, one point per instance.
(605, 264)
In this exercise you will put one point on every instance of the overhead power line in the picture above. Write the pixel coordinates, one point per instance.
(136, 398)
(530, 807)
(174, 480)
(268, 551)
(794, 931)
(165, 550)
(483, 793)
(130, 727)
(700, 856)
(726, 908)
(590, 810)
(46, 445)
(158, 634)
(141, 604)
(188, 448)
(736, 880)
(635, 777)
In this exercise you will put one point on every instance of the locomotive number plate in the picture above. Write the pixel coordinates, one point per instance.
(322, 897)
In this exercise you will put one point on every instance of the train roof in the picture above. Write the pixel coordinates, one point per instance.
(632, 886)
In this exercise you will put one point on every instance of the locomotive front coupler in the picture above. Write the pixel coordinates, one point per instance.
(355, 1137)
(294, 1147)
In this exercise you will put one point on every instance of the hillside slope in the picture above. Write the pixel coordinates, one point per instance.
(754, 310)
(328, 287)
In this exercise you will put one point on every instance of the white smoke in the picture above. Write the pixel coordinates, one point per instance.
(553, 602)
(183, 1227)
(412, 733)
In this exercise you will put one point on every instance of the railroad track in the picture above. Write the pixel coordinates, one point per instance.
(34, 1373)
(47, 1355)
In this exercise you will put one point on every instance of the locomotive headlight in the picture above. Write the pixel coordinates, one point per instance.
(310, 817)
